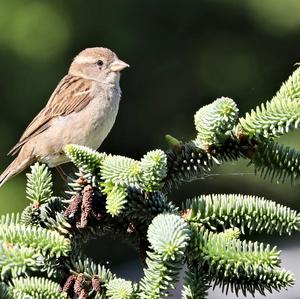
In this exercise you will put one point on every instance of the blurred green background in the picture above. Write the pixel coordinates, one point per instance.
(182, 55)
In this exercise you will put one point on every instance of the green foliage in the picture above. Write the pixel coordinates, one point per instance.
(240, 265)
(91, 269)
(9, 219)
(196, 282)
(248, 213)
(5, 293)
(154, 170)
(214, 121)
(168, 235)
(143, 207)
(36, 287)
(234, 255)
(291, 88)
(119, 288)
(42, 239)
(277, 161)
(189, 162)
(261, 280)
(31, 215)
(120, 170)
(84, 158)
(15, 260)
(118, 173)
(278, 116)
(116, 198)
(118, 195)
(160, 276)
(39, 184)
(172, 141)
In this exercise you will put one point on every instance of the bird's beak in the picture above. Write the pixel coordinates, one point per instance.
(118, 66)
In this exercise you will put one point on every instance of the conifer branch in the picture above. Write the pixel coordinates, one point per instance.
(168, 235)
(46, 241)
(189, 162)
(113, 194)
(5, 292)
(15, 260)
(215, 121)
(119, 288)
(196, 282)
(278, 116)
(277, 161)
(240, 266)
(36, 287)
(248, 213)
(85, 158)
(39, 184)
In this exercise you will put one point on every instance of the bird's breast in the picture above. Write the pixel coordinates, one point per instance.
(88, 127)
(103, 112)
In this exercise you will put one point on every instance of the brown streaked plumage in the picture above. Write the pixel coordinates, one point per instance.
(81, 110)
(66, 98)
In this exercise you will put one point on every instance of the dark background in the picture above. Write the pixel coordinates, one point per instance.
(182, 55)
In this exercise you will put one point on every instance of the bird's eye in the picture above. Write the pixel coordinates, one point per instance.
(99, 62)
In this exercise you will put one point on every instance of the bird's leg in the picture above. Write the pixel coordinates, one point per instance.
(62, 174)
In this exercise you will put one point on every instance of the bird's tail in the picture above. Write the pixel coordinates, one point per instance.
(15, 167)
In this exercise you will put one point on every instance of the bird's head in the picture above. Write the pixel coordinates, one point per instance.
(99, 64)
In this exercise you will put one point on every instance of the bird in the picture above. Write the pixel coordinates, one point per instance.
(81, 110)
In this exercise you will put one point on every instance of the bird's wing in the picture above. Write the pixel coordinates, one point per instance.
(71, 95)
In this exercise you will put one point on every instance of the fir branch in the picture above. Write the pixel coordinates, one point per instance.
(277, 161)
(39, 192)
(144, 207)
(291, 88)
(239, 265)
(35, 237)
(52, 207)
(168, 235)
(278, 116)
(60, 224)
(119, 288)
(196, 282)
(232, 256)
(36, 287)
(159, 277)
(10, 219)
(248, 213)
(5, 292)
(39, 184)
(121, 171)
(94, 278)
(80, 181)
(261, 280)
(16, 261)
(189, 162)
(214, 121)
(90, 269)
(84, 158)
(118, 173)
(154, 170)
(40, 241)
(116, 198)
(31, 215)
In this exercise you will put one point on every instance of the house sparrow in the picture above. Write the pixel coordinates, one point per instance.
(81, 110)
